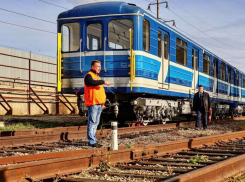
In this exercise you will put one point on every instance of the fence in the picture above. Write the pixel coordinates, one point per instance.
(28, 85)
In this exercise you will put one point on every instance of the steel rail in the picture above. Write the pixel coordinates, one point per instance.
(76, 162)
(83, 128)
(42, 131)
(70, 133)
(216, 172)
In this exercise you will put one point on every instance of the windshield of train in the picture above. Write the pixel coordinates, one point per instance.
(118, 33)
(70, 37)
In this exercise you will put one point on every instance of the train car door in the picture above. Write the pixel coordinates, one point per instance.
(163, 53)
(195, 64)
(229, 83)
(240, 87)
(215, 85)
(93, 44)
(69, 49)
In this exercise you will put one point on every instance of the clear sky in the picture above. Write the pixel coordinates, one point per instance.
(222, 23)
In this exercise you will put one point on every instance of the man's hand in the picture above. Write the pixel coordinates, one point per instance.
(102, 107)
(107, 83)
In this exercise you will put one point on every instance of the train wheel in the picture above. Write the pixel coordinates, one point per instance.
(164, 121)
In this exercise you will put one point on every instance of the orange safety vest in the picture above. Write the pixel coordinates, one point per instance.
(94, 94)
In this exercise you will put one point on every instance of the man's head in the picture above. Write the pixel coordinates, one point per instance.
(96, 66)
(200, 89)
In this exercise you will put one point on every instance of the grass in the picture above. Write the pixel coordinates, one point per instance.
(36, 125)
(240, 127)
(129, 146)
(18, 126)
(238, 178)
(196, 159)
(105, 164)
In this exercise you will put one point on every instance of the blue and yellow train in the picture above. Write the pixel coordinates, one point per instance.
(154, 70)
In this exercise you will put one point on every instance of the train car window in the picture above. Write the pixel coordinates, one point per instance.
(70, 37)
(243, 81)
(115, 46)
(234, 78)
(229, 75)
(215, 68)
(94, 36)
(240, 80)
(181, 52)
(159, 40)
(207, 57)
(194, 60)
(237, 79)
(118, 33)
(206, 64)
(196, 57)
(222, 71)
(146, 35)
(165, 46)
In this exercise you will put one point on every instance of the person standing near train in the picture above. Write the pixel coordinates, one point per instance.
(202, 105)
(95, 97)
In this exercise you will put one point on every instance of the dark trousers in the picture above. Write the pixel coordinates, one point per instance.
(204, 115)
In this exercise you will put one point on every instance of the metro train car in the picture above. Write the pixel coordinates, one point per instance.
(154, 70)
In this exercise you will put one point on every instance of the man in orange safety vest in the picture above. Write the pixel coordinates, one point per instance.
(95, 97)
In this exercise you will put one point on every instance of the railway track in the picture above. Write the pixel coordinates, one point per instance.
(81, 133)
(84, 128)
(169, 156)
(39, 152)
(39, 136)
(21, 149)
(170, 167)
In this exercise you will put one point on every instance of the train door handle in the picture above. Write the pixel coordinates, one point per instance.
(81, 40)
(105, 54)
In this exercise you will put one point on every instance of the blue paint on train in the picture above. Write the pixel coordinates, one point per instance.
(222, 88)
(207, 83)
(140, 90)
(243, 93)
(116, 66)
(234, 92)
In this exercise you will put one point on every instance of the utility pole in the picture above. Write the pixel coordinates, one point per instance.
(158, 3)
(158, 9)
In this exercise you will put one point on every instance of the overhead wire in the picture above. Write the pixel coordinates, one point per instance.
(96, 0)
(199, 18)
(53, 4)
(204, 32)
(27, 16)
(26, 50)
(28, 27)
(201, 30)
(206, 43)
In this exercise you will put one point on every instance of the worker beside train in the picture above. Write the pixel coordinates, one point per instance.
(202, 105)
(95, 97)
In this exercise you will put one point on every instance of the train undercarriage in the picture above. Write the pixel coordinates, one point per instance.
(144, 110)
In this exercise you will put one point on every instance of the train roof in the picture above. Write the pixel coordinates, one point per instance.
(120, 7)
(101, 8)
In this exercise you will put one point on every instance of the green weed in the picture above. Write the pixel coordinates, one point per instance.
(196, 159)
(18, 126)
